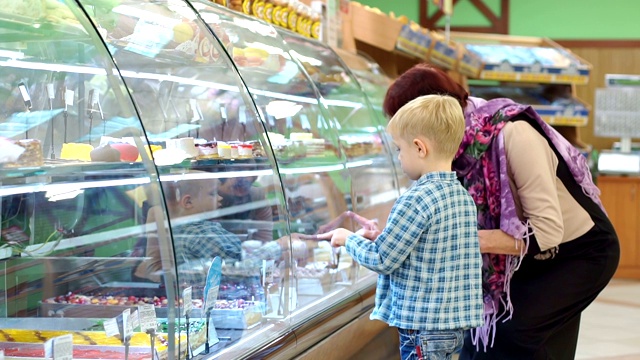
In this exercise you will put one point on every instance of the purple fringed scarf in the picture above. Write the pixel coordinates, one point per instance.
(481, 164)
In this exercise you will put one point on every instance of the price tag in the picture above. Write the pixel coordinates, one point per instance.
(212, 296)
(187, 300)
(63, 347)
(147, 317)
(111, 327)
(1, 354)
(213, 282)
(126, 324)
(304, 122)
(267, 272)
(150, 36)
(68, 97)
(135, 319)
(51, 92)
(59, 347)
(242, 115)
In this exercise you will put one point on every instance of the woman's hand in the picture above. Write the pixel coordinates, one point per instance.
(499, 242)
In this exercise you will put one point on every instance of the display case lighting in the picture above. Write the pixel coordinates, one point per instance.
(54, 196)
(255, 26)
(178, 80)
(11, 54)
(60, 188)
(53, 67)
(214, 175)
(272, 50)
(355, 164)
(281, 109)
(312, 169)
(311, 61)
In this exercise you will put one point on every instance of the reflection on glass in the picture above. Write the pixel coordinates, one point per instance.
(72, 207)
(139, 143)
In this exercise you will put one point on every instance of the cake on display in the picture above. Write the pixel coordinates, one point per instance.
(28, 152)
(87, 344)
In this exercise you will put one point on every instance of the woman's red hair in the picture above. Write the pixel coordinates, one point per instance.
(420, 80)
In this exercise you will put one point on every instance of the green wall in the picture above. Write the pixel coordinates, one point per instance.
(558, 19)
(576, 19)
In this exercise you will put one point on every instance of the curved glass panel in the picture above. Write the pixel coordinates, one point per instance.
(140, 142)
(375, 83)
(307, 150)
(71, 211)
(361, 132)
(222, 197)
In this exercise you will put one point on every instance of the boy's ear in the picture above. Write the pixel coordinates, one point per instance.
(422, 147)
(186, 202)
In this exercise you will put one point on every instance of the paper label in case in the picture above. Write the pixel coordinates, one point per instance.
(111, 327)
(187, 300)
(147, 317)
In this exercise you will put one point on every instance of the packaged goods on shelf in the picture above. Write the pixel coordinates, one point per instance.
(564, 110)
(541, 62)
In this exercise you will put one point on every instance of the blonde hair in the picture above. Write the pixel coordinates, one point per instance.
(439, 118)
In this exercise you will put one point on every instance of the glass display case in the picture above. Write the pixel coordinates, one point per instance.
(162, 167)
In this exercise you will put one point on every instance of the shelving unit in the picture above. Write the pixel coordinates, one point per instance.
(397, 45)
(534, 71)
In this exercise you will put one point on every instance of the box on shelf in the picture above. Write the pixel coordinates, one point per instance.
(525, 59)
(443, 54)
(575, 113)
(374, 28)
(413, 42)
(469, 64)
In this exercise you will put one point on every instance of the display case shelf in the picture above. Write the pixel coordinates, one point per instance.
(13, 28)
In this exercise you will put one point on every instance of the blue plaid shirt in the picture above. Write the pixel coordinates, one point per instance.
(427, 257)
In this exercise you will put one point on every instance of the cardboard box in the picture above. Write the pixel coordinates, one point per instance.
(373, 28)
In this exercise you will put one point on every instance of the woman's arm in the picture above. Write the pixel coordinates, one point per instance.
(532, 166)
(499, 242)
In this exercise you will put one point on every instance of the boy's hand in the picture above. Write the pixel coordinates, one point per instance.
(370, 234)
(338, 236)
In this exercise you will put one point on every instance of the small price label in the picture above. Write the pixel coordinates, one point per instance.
(147, 317)
(268, 267)
(135, 319)
(111, 327)
(68, 97)
(59, 347)
(63, 347)
(188, 300)
(212, 295)
(126, 323)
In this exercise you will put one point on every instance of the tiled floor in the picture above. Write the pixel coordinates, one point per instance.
(610, 327)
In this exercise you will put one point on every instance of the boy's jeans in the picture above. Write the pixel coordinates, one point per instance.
(429, 345)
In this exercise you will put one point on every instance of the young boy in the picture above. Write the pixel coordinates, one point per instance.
(428, 255)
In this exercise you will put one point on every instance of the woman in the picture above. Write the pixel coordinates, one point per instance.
(538, 213)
